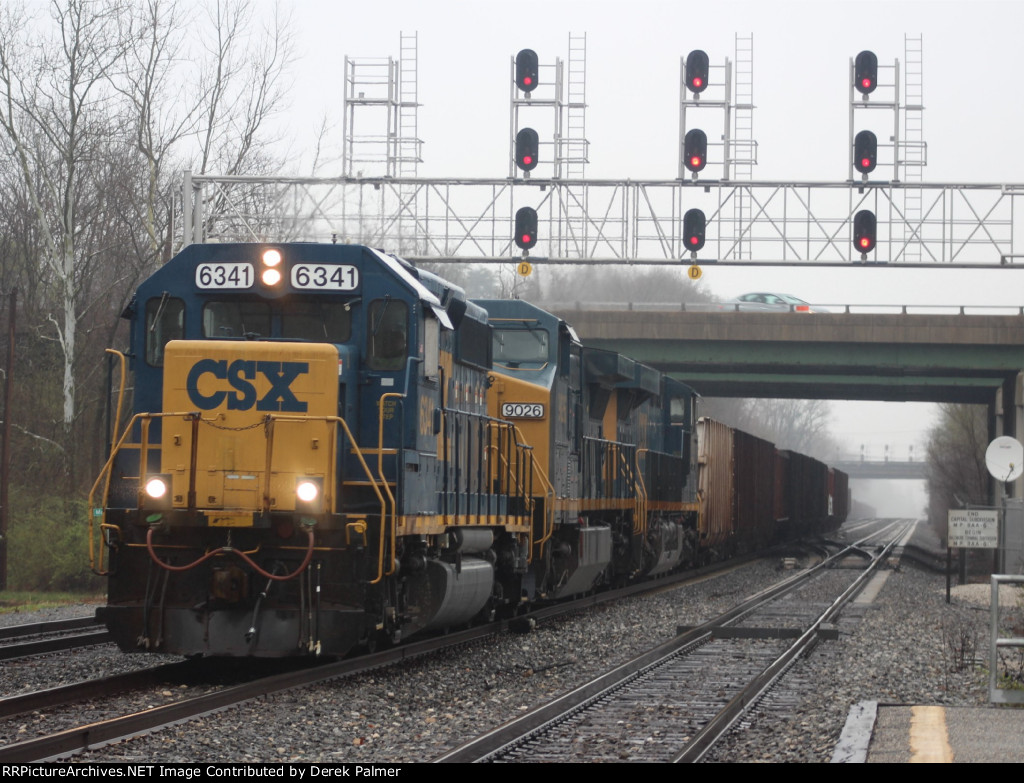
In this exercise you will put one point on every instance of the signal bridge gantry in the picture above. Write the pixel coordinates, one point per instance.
(547, 208)
(599, 221)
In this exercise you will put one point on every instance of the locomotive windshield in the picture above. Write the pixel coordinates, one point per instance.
(518, 346)
(316, 321)
(311, 320)
(223, 320)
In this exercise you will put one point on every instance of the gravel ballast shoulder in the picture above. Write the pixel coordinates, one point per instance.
(904, 647)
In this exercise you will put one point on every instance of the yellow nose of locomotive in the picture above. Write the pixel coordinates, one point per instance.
(249, 425)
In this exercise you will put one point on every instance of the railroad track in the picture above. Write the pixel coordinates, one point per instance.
(21, 641)
(108, 729)
(676, 701)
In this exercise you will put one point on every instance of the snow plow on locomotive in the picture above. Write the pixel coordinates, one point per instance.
(328, 446)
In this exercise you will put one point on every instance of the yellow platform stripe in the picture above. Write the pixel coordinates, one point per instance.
(929, 739)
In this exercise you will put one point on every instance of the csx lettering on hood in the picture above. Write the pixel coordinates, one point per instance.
(239, 375)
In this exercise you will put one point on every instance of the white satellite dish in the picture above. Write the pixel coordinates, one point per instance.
(1004, 458)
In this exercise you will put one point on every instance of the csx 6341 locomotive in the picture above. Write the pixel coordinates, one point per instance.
(327, 447)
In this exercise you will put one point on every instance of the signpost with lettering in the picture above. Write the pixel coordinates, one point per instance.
(973, 528)
(969, 528)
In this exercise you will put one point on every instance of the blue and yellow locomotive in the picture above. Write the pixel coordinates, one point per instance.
(309, 464)
(328, 447)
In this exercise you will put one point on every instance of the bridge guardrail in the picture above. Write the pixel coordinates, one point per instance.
(826, 309)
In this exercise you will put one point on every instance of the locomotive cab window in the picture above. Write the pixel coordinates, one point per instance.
(234, 319)
(165, 321)
(316, 321)
(520, 346)
(431, 346)
(388, 342)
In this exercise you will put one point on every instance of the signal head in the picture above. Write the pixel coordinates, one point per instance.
(865, 72)
(526, 228)
(698, 67)
(527, 70)
(695, 150)
(865, 231)
(865, 152)
(527, 149)
(694, 229)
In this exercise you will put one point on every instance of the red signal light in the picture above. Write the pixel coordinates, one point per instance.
(695, 150)
(865, 231)
(694, 229)
(527, 70)
(697, 70)
(526, 228)
(865, 72)
(865, 152)
(527, 149)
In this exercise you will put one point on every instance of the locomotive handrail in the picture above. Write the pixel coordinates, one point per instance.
(516, 479)
(366, 469)
(516, 482)
(640, 523)
(113, 439)
(106, 470)
(549, 507)
(122, 362)
(383, 480)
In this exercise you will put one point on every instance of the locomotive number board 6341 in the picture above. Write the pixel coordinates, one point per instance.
(325, 277)
(225, 276)
(522, 410)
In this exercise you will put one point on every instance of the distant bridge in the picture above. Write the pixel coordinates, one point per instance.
(883, 470)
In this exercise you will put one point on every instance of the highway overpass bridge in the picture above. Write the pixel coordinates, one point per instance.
(839, 356)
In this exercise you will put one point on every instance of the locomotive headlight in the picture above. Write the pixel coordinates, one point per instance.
(270, 275)
(156, 491)
(308, 495)
(156, 488)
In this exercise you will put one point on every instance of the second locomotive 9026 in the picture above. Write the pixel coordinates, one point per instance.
(329, 446)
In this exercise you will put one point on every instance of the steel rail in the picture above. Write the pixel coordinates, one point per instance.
(88, 689)
(501, 737)
(40, 646)
(49, 626)
(714, 729)
(71, 741)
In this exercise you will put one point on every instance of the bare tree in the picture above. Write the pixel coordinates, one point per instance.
(624, 283)
(102, 104)
(53, 118)
(797, 425)
(148, 83)
(957, 474)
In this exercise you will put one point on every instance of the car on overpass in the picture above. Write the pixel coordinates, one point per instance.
(761, 301)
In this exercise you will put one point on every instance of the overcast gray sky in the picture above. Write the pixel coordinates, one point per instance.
(972, 74)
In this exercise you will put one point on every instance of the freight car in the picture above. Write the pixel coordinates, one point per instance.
(328, 447)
